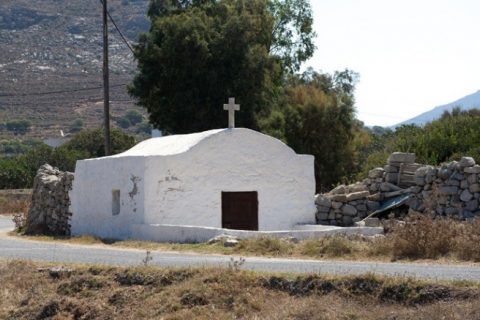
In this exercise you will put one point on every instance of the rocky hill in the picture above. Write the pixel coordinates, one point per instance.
(51, 55)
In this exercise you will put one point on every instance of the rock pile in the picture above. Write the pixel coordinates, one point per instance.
(49, 211)
(452, 189)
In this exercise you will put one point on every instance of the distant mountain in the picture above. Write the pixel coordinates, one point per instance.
(471, 101)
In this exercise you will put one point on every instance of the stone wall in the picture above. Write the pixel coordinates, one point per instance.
(49, 210)
(451, 189)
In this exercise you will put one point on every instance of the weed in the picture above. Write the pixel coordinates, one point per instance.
(148, 258)
(235, 264)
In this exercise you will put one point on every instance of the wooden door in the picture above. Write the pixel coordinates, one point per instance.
(240, 210)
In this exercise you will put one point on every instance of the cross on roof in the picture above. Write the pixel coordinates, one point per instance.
(231, 107)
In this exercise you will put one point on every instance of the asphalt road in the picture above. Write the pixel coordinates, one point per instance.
(16, 248)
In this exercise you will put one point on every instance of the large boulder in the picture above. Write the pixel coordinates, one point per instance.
(49, 210)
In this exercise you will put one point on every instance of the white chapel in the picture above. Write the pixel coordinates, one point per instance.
(233, 178)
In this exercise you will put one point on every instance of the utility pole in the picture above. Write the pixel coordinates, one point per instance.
(106, 89)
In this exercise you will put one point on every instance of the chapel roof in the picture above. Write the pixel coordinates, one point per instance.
(169, 145)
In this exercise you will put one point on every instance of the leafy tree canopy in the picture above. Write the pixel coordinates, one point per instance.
(91, 142)
(318, 118)
(200, 52)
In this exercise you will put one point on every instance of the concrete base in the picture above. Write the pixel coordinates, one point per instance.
(194, 234)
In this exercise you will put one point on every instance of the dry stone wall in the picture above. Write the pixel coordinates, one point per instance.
(49, 211)
(452, 189)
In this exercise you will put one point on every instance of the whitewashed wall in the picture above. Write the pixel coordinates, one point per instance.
(91, 196)
(185, 189)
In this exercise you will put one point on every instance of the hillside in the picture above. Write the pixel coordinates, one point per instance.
(54, 45)
(466, 103)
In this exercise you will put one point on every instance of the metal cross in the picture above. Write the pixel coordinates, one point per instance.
(231, 107)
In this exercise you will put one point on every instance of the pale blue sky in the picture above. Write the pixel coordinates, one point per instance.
(411, 55)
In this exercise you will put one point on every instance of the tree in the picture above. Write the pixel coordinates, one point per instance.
(318, 118)
(292, 33)
(123, 122)
(199, 53)
(134, 117)
(91, 143)
(18, 126)
(76, 125)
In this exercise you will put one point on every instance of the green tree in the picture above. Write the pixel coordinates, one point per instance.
(318, 118)
(76, 125)
(123, 122)
(91, 142)
(18, 126)
(134, 117)
(199, 53)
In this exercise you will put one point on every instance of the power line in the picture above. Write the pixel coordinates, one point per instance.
(57, 92)
(118, 30)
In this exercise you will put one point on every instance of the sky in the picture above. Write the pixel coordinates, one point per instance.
(412, 55)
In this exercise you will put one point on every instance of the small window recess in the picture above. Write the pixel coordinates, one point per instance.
(115, 202)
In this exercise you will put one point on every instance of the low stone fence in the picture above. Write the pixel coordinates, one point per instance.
(49, 210)
(452, 189)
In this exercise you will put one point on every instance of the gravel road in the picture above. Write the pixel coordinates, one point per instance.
(16, 248)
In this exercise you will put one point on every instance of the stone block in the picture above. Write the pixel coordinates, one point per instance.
(349, 210)
(475, 169)
(358, 187)
(338, 197)
(420, 181)
(322, 200)
(341, 189)
(388, 187)
(448, 190)
(376, 173)
(452, 182)
(357, 195)
(336, 205)
(391, 177)
(472, 178)
(323, 209)
(375, 197)
(402, 157)
(466, 196)
(464, 184)
(474, 188)
(466, 162)
(391, 169)
(472, 205)
(322, 216)
(347, 221)
(362, 207)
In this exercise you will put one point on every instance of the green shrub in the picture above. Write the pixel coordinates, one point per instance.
(20, 126)
(123, 122)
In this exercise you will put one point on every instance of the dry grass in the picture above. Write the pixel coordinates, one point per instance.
(151, 293)
(418, 238)
(423, 238)
(13, 206)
